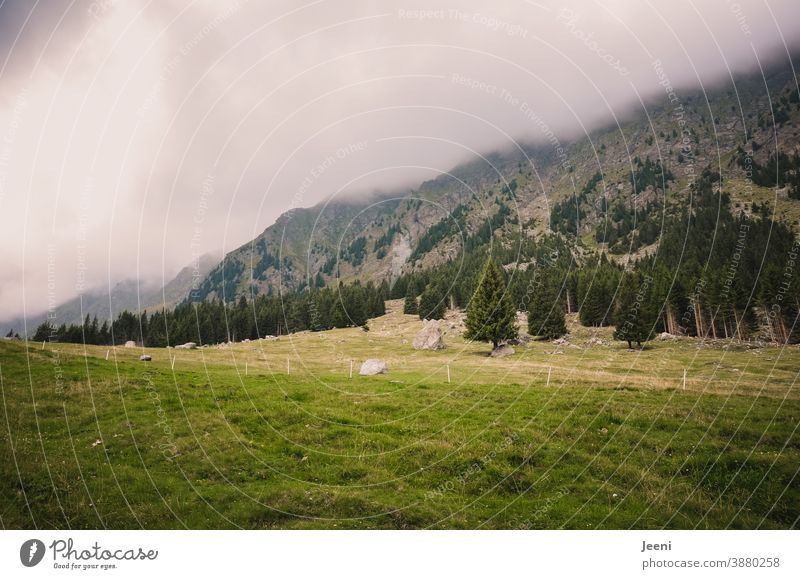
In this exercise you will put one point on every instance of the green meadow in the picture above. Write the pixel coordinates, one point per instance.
(277, 434)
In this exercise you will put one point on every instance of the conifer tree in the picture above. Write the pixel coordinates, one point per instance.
(410, 305)
(634, 312)
(491, 316)
(546, 311)
(432, 305)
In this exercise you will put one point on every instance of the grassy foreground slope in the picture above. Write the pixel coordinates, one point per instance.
(228, 439)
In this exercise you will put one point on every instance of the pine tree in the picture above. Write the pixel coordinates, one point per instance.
(491, 316)
(634, 312)
(432, 304)
(546, 311)
(410, 305)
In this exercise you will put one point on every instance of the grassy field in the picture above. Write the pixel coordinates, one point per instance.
(228, 439)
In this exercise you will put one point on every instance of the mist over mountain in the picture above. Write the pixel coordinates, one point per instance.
(609, 191)
(140, 134)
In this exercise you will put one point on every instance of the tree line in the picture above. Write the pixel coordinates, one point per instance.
(719, 272)
(213, 321)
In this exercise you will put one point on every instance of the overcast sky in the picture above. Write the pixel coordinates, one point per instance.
(136, 134)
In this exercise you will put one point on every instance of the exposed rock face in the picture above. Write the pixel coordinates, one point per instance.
(130, 344)
(429, 337)
(373, 366)
(186, 346)
(502, 351)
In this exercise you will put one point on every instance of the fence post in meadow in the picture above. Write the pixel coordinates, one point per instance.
(107, 351)
(448, 373)
(172, 365)
(351, 368)
(684, 378)
(549, 369)
(288, 367)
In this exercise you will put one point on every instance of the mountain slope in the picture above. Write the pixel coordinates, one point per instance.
(609, 192)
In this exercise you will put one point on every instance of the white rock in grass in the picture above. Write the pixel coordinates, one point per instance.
(373, 366)
(130, 344)
(429, 337)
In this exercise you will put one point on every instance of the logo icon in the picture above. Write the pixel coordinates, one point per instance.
(31, 553)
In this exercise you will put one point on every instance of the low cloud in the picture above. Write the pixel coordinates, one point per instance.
(135, 135)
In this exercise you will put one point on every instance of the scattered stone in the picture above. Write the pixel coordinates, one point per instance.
(130, 344)
(595, 342)
(145, 358)
(373, 366)
(429, 337)
(186, 346)
(502, 351)
(520, 340)
(97, 442)
(665, 336)
(561, 342)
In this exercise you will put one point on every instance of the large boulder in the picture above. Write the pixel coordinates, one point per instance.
(145, 358)
(373, 366)
(429, 337)
(502, 350)
(130, 344)
(186, 346)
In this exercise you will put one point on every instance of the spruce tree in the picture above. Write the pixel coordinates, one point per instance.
(634, 312)
(546, 311)
(410, 305)
(491, 316)
(431, 303)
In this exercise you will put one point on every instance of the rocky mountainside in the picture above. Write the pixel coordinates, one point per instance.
(609, 192)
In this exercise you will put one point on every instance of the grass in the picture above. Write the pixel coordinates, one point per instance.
(613, 441)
